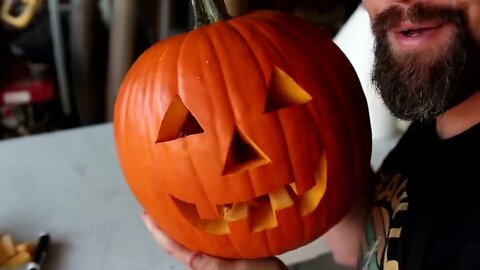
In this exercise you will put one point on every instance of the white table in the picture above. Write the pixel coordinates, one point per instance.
(70, 184)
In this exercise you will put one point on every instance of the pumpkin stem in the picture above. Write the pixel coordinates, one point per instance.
(209, 11)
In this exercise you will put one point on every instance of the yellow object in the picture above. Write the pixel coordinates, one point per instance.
(13, 256)
(17, 260)
(27, 246)
(3, 255)
(7, 244)
(23, 20)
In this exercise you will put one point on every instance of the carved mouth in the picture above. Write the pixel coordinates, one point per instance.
(260, 211)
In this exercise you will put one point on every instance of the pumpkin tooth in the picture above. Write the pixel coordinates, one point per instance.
(294, 188)
(263, 217)
(236, 212)
(214, 226)
(280, 199)
(309, 201)
(305, 184)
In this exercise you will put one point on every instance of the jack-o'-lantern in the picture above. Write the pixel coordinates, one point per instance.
(244, 138)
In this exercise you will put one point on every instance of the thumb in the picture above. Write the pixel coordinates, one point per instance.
(199, 261)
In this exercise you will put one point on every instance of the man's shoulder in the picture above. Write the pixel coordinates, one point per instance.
(415, 137)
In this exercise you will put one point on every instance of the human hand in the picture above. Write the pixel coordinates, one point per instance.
(198, 261)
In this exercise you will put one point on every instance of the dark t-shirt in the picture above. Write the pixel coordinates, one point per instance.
(426, 212)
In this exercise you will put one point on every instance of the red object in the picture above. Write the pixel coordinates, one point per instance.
(27, 92)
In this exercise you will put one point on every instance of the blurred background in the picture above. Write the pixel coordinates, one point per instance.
(62, 61)
(61, 64)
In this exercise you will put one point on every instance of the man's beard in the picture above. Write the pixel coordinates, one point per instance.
(416, 89)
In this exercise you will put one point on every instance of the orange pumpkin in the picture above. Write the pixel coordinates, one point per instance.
(245, 138)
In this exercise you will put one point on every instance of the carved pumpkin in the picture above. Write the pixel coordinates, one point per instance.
(245, 138)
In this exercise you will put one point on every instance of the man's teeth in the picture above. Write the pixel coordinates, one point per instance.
(412, 33)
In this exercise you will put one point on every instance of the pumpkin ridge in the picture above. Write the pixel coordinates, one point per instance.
(267, 241)
(216, 132)
(150, 86)
(342, 147)
(232, 244)
(135, 97)
(280, 56)
(178, 63)
(158, 108)
(181, 49)
(156, 100)
(344, 98)
(294, 36)
(123, 107)
(198, 234)
(147, 89)
(265, 35)
(213, 47)
(231, 23)
(129, 96)
(306, 108)
(131, 93)
(341, 96)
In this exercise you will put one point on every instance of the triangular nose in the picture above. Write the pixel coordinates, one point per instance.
(243, 154)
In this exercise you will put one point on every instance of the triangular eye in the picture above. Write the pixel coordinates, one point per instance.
(243, 154)
(284, 92)
(178, 122)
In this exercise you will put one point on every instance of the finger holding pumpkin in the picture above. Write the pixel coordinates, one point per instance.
(198, 261)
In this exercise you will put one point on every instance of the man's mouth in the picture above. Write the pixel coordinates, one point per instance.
(409, 29)
(415, 32)
(259, 212)
(416, 35)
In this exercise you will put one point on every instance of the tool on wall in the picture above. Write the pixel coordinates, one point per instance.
(23, 19)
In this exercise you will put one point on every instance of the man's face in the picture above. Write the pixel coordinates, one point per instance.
(426, 54)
